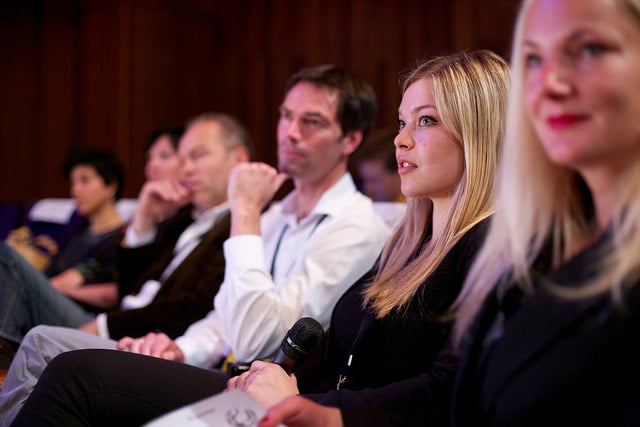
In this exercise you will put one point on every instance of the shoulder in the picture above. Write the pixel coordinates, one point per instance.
(471, 241)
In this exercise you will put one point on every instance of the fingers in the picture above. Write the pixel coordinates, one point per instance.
(238, 381)
(166, 195)
(286, 411)
(124, 343)
(256, 178)
(245, 379)
(295, 411)
(152, 344)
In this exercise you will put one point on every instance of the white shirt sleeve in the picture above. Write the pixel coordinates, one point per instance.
(256, 314)
(204, 343)
(103, 327)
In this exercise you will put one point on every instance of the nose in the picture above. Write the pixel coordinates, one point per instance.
(74, 190)
(557, 77)
(292, 129)
(403, 139)
(186, 166)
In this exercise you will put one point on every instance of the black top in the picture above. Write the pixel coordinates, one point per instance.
(399, 346)
(94, 255)
(554, 361)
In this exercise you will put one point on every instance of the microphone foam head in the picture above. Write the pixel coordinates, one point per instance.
(302, 339)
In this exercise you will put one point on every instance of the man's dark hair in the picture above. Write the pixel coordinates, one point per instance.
(357, 103)
(105, 163)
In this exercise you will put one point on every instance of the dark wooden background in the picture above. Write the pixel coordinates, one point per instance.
(106, 72)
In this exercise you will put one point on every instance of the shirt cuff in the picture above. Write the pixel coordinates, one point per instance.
(244, 252)
(132, 240)
(103, 327)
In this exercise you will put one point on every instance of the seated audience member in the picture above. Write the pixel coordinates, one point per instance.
(295, 259)
(82, 273)
(549, 316)
(161, 153)
(171, 264)
(446, 164)
(377, 168)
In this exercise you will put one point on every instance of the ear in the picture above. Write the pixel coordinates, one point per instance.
(240, 154)
(113, 187)
(351, 141)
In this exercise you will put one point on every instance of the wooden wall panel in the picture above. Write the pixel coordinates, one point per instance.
(107, 72)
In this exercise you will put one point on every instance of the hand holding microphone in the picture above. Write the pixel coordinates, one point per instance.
(265, 382)
(298, 344)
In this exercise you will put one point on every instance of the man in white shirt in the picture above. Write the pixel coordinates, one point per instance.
(294, 260)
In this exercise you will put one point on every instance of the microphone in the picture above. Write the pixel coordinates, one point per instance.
(298, 344)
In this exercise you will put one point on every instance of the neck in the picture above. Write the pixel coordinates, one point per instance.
(104, 219)
(308, 193)
(605, 181)
(439, 217)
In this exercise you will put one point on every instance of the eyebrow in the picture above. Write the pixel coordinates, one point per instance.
(572, 37)
(420, 107)
(306, 113)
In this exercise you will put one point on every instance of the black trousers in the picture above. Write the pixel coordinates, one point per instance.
(114, 388)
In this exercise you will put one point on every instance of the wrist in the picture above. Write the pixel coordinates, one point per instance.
(245, 222)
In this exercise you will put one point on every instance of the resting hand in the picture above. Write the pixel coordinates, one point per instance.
(267, 383)
(67, 281)
(295, 411)
(152, 344)
(157, 201)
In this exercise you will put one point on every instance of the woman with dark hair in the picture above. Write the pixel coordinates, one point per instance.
(161, 153)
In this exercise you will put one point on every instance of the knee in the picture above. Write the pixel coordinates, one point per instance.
(67, 366)
(37, 332)
(7, 255)
(36, 336)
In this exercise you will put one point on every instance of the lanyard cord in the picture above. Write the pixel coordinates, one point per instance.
(284, 230)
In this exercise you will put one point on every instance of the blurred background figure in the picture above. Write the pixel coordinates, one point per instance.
(377, 169)
(84, 269)
(161, 157)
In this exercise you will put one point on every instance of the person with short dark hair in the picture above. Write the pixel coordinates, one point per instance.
(80, 278)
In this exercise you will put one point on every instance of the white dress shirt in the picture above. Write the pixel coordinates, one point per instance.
(316, 260)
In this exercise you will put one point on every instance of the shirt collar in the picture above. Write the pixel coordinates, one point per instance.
(330, 203)
(210, 215)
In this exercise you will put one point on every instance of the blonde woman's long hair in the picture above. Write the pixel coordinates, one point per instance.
(538, 202)
(470, 92)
